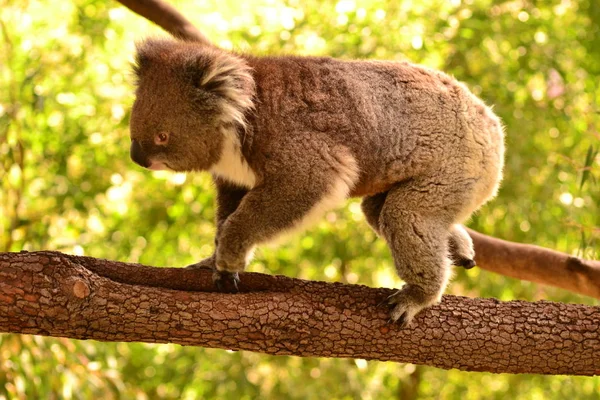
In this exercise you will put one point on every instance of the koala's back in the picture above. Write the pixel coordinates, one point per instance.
(398, 120)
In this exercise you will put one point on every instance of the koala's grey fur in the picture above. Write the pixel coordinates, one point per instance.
(287, 138)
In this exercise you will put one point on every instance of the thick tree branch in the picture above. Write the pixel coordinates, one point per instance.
(537, 264)
(49, 293)
(168, 18)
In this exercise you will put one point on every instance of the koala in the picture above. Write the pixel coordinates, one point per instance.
(287, 138)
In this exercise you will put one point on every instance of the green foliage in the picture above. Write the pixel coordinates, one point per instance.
(67, 182)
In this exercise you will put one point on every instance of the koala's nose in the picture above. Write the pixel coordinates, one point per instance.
(137, 154)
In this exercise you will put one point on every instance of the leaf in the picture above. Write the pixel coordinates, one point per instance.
(589, 158)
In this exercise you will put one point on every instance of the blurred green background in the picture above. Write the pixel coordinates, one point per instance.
(67, 182)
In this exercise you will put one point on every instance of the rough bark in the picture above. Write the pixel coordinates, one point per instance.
(520, 261)
(50, 293)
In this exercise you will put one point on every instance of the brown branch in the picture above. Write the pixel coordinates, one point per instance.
(537, 264)
(49, 293)
(168, 18)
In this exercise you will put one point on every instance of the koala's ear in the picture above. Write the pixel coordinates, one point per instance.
(195, 70)
(223, 75)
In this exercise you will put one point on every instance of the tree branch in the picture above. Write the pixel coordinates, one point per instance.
(50, 293)
(537, 264)
(168, 18)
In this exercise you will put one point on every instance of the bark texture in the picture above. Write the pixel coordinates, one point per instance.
(50, 293)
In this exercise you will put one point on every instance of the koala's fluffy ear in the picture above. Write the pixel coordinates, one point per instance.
(225, 76)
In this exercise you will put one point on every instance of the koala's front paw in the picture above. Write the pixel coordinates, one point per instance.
(406, 303)
(226, 273)
(226, 281)
(207, 263)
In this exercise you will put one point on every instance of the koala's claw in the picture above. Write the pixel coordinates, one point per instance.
(402, 315)
(390, 303)
(406, 303)
(226, 281)
(385, 303)
(402, 322)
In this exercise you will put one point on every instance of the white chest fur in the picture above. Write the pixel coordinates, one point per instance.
(232, 165)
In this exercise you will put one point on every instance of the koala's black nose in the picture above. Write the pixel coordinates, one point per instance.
(137, 154)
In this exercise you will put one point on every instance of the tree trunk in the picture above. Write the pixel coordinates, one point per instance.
(50, 293)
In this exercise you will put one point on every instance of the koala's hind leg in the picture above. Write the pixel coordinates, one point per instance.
(416, 219)
(460, 244)
(461, 247)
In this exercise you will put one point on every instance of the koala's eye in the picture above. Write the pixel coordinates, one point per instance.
(161, 138)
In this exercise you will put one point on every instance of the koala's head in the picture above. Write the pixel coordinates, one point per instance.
(187, 95)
